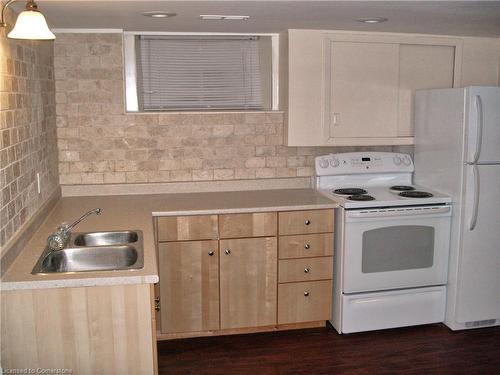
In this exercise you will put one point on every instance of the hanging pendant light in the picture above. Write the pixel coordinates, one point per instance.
(30, 24)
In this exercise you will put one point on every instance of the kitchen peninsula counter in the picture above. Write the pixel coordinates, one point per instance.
(136, 212)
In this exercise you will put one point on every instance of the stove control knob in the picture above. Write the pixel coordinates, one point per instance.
(406, 161)
(323, 163)
(334, 163)
(397, 160)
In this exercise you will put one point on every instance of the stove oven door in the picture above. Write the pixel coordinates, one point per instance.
(395, 248)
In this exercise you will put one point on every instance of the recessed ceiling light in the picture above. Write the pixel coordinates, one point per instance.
(223, 17)
(159, 14)
(372, 19)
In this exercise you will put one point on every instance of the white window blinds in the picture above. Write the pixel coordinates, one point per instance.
(199, 72)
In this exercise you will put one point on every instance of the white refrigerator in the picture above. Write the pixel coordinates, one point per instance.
(457, 152)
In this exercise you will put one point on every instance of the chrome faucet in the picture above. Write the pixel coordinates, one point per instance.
(59, 239)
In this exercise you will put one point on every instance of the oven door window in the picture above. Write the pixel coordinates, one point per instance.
(394, 248)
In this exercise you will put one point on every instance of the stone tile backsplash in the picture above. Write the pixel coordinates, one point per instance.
(100, 144)
(28, 130)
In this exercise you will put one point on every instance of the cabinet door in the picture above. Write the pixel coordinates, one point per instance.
(363, 90)
(189, 286)
(421, 67)
(248, 282)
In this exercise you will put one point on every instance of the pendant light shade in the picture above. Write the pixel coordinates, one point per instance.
(31, 25)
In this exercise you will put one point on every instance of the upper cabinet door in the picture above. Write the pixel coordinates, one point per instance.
(421, 67)
(302, 86)
(363, 90)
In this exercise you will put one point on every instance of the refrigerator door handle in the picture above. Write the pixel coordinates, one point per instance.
(475, 207)
(479, 139)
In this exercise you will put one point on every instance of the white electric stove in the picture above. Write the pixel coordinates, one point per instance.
(391, 242)
(373, 179)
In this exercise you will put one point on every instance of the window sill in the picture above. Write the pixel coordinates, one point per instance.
(200, 112)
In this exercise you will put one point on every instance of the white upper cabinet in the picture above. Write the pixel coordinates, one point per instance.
(357, 89)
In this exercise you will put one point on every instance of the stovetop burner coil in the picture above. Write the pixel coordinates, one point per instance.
(361, 197)
(415, 194)
(350, 191)
(402, 188)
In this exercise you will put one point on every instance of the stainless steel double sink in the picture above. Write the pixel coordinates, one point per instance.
(95, 251)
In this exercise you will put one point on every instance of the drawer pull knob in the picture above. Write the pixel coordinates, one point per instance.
(227, 251)
(307, 246)
(307, 270)
(307, 222)
(211, 253)
(306, 294)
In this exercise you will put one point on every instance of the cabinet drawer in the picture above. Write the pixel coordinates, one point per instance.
(306, 245)
(304, 302)
(182, 228)
(261, 224)
(305, 269)
(313, 221)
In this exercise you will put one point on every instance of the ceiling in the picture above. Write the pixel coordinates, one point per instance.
(473, 18)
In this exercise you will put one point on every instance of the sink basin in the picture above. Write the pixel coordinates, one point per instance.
(105, 238)
(98, 258)
(95, 251)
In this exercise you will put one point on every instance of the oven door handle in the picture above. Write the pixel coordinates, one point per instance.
(399, 212)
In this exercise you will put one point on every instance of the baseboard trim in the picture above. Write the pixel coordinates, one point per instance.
(239, 331)
(14, 246)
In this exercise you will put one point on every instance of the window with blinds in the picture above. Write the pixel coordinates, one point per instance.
(201, 73)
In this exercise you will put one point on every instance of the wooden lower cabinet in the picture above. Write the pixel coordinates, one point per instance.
(189, 287)
(90, 330)
(234, 283)
(189, 284)
(304, 302)
(305, 268)
(248, 282)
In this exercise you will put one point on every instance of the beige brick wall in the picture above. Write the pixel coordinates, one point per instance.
(28, 130)
(99, 144)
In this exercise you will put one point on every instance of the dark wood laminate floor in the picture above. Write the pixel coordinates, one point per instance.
(432, 349)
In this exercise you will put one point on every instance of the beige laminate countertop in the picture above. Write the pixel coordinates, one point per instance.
(136, 212)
